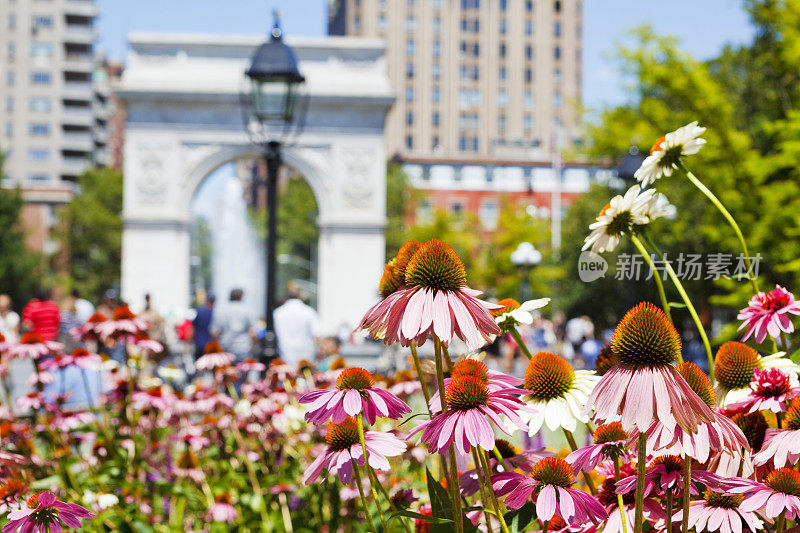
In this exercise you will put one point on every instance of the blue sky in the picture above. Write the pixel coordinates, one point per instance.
(703, 27)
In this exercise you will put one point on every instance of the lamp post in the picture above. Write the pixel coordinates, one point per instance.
(525, 257)
(271, 102)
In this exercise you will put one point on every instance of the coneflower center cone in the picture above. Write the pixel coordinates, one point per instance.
(553, 471)
(699, 382)
(734, 365)
(466, 392)
(355, 378)
(645, 337)
(548, 376)
(785, 480)
(508, 305)
(611, 432)
(342, 436)
(471, 367)
(726, 501)
(436, 266)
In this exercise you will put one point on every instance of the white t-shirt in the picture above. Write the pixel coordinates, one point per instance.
(297, 327)
(7, 325)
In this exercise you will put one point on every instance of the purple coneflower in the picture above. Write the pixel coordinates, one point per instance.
(768, 313)
(44, 513)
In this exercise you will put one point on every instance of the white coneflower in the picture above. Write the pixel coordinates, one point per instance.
(620, 216)
(667, 151)
(514, 313)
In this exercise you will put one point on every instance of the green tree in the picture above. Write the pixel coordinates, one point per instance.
(90, 231)
(399, 196)
(20, 269)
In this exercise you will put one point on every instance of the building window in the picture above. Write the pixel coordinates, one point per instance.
(557, 100)
(411, 24)
(40, 104)
(464, 72)
(476, 73)
(410, 47)
(12, 21)
(381, 22)
(437, 25)
(502, 26)
(357, 23)
(10, 78)
(501, 123)
(488, 214)
(528, 27)
(503, 5)
(502, 73)
(410, 70)
(39, 154)
(557, 29)
(529, 52)
(435, 119)
(424, 212)
(503, 50)
(557, 52)
(435, 95)
(38, 177)
(464, 24)
(409, 119)
(42, 50)
(527, 123)
(409, 142)
(502, 98)
(476, 26)
(528, 5)
(528, 75)
(528, 100)
(463, 48)
(462, 144)
(9, 132)
(11, 52)
(42, 21)
(435, 146)
(40, 130)
(41, 78)
(437, 49)
(557, 76)
(457, 208)
(409, 94)
(474, 144)
(9, 103)
(476, 49)
(557, 6)
(437, 71)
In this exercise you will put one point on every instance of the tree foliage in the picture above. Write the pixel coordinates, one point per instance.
(90, 231)
(748, 98)
(19, 268)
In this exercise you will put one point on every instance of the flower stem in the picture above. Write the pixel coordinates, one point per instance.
(482, 484)
(455, 493)
(685, 297)
(574, 446)
(367, 467)
(357, 477)
(785, 342)
(620, 502)
(488, 470)
(500, 459)
(638, 517)
(517, 337)
(781, 523)
(286, 516)
(421, 376)
(725, 213)
(656, 275)
(779, 420)
(669, 511)
(687, 491)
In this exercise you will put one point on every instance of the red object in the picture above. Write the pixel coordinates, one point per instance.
(184, 330)
(45, 317)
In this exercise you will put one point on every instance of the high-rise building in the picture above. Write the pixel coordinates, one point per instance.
(475, 78)
(52, 111)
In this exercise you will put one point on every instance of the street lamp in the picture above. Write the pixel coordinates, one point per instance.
(271, 102)
(525, 257)
(629, 165)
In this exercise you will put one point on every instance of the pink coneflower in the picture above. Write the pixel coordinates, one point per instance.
(214, 356)
(188, 466)
(720, 512)
(32, 401)
(251, 365)
(493, 379)
(609, 443)
(143, 341)
(666, 473)
(154, 398)
(344, 448)
(11, 494)
(355, 394)
(644, 386)
(57, 362)
(222, 511)
(653, 511)
(32, 345)
(514, 459)
(123, 322)
(768, 313)
(37, 379)
(45, 514)
(722, 435)
(779, 493)
(549, 487)
(769, 391)
(782, 447)
(472, 407)
(83, 358)
(86, 332)
(436, 301)
(11, 463)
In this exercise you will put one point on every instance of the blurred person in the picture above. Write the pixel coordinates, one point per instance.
(328, 351)
(83, 307)
(590, 349)
(156, 327)
(69, 321)
(297, 329)
(233, 326)
(9, 320)
(204, 316)
(42, 315)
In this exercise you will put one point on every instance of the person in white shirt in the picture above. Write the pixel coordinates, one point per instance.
(83, 307)
(297, 329)
(9, 320)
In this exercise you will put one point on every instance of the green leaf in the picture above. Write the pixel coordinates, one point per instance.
(440, 500)
(677, 305)
(795, 356)
(519, 519)
(418, 516)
